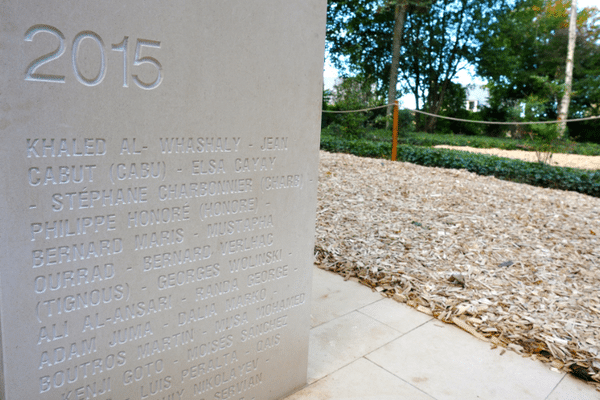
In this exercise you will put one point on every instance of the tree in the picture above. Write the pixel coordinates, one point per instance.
(438, 38)
(454, 106)
(399, 18)
(564, 105)
(585, 100)
(354, 93)
(437, 45)
(523, 58)
(359, 38)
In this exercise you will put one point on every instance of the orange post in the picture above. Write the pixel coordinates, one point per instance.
(395, 130)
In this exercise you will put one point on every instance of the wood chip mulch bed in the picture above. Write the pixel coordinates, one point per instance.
(515, 265)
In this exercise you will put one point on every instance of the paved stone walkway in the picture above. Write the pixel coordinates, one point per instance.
(364, 346)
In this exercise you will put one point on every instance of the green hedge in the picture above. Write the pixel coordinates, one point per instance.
(582, 181)
(358, 147)
(484, 142)
(430, 140)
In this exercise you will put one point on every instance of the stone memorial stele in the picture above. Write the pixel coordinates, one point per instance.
(159, 175)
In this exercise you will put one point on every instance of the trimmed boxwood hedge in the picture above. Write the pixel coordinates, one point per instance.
(484, 142)
(537, 174)
(429, 140)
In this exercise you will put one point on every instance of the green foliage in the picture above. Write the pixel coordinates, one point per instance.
(359, 38)
(585, 131)
(381, 121)
(523, 57)
(353, 93)
(326, 118)
(459, 127)
(423, 139)
(499, 113)
(439, 36)
(454, 106)
(454, 99)
(434, 46)
(360, 147)
(406, 122)
(536, 174)
(545, 137)
(482, 142)
(485, 142)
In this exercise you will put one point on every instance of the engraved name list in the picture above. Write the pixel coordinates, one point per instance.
(156, 240)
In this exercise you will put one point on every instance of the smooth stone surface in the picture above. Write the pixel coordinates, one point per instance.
(339, 342)
(360, 380)
(395, 315)
(367, 380)
(330, 300)
(448, 363)
(159, 194)
(571, 388)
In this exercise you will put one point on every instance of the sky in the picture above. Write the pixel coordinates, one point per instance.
(465, 77)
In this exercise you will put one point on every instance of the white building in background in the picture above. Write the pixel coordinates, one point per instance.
(477, 97)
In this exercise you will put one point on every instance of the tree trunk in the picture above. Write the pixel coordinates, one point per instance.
(400, 18)
(436, 102)
(564, 105)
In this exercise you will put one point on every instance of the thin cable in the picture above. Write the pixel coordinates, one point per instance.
(505, 123)
(350, 111)
(467, 120)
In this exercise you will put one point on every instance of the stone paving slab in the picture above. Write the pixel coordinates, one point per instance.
(337, 343)
(364, 346)
(449, 364)
(331, 298)
(403, 319)
(361, 379)
(571, 388)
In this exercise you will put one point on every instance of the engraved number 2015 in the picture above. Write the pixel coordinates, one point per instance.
(32, 75)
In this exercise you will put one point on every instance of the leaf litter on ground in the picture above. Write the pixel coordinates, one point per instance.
(512, 264)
